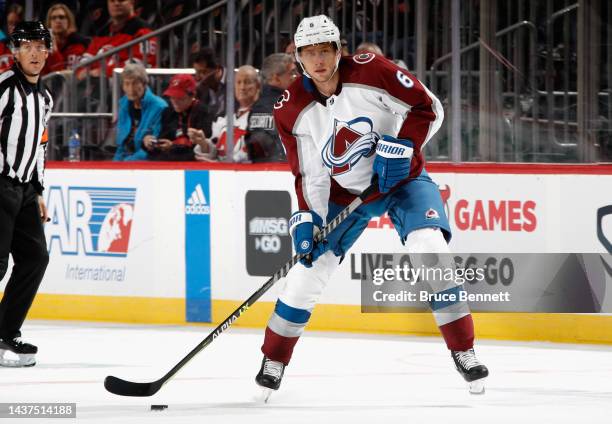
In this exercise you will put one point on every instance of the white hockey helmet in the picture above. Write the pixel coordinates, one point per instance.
(316, 30)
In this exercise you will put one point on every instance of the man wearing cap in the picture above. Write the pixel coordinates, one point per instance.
(186, 116)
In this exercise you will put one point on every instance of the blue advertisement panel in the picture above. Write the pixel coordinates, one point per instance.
(197, 246)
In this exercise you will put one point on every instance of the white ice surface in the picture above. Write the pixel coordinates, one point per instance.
(333, 378)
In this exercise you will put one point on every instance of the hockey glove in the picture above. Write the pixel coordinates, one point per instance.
(392, 161)
(303, 226)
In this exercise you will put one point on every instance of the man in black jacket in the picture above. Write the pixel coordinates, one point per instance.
(186, 115)
(211, 78)
(264, 145)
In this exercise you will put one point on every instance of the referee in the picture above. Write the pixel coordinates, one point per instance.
(25, 108)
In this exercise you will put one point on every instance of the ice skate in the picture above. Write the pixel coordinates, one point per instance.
(25, 352)
(471, 369)
(269, 377)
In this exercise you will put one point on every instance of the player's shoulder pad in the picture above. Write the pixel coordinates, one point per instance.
(291, 104)
(374, 70)
(364, 63)
(293, 100)
(364, 58)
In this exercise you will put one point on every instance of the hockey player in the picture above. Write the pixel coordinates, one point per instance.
(345, 121)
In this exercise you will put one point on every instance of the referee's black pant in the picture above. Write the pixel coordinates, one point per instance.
(22, 235)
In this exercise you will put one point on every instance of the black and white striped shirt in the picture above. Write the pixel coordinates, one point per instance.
(25, 109)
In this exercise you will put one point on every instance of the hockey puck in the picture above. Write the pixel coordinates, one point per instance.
(158, 407)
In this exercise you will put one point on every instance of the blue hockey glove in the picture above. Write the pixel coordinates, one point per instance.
(303, 226)
(392, 161)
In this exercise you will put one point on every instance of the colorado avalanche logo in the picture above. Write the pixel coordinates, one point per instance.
(364, 58)
(350, 141)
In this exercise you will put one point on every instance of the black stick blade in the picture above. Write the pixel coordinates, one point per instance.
(128, 388)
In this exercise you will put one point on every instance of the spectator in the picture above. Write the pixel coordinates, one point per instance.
(173, 41)
(344, 47)
(140, 114)
(290, 49)
(262, 140)
(6, 56)
(41, 7)
(68, 46)
(367, 47)
(124, 26)
(14, 15)
(246, 90)
(93, 17)
(147, 10)
(179, 122)
(211, 80)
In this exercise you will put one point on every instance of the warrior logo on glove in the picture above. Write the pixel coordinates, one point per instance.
(303, 227)
(350, 141)
(392, 162)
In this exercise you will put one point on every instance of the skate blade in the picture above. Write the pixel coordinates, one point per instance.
(477, 387)
(23, 360)
(265, 394)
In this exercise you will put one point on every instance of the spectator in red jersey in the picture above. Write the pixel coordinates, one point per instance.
(68, 46)
(14, 15)
(6, 56)
(124, 26)
(179, 122)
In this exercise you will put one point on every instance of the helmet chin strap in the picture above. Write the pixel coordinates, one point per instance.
(338, 55)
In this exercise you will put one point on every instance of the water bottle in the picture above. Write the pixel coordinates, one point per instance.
(74, 146)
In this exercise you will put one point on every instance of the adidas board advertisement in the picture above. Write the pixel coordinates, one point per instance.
(197, 246)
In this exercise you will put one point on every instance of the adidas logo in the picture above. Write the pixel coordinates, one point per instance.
(197, 204)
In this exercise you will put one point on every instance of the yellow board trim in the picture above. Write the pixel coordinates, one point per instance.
(148, 310)
(567, 328)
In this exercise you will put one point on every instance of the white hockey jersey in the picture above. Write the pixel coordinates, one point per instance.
(329, 141)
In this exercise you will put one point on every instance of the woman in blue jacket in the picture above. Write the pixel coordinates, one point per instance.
(139, 114)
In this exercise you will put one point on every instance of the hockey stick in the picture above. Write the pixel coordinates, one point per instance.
(122, 387)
